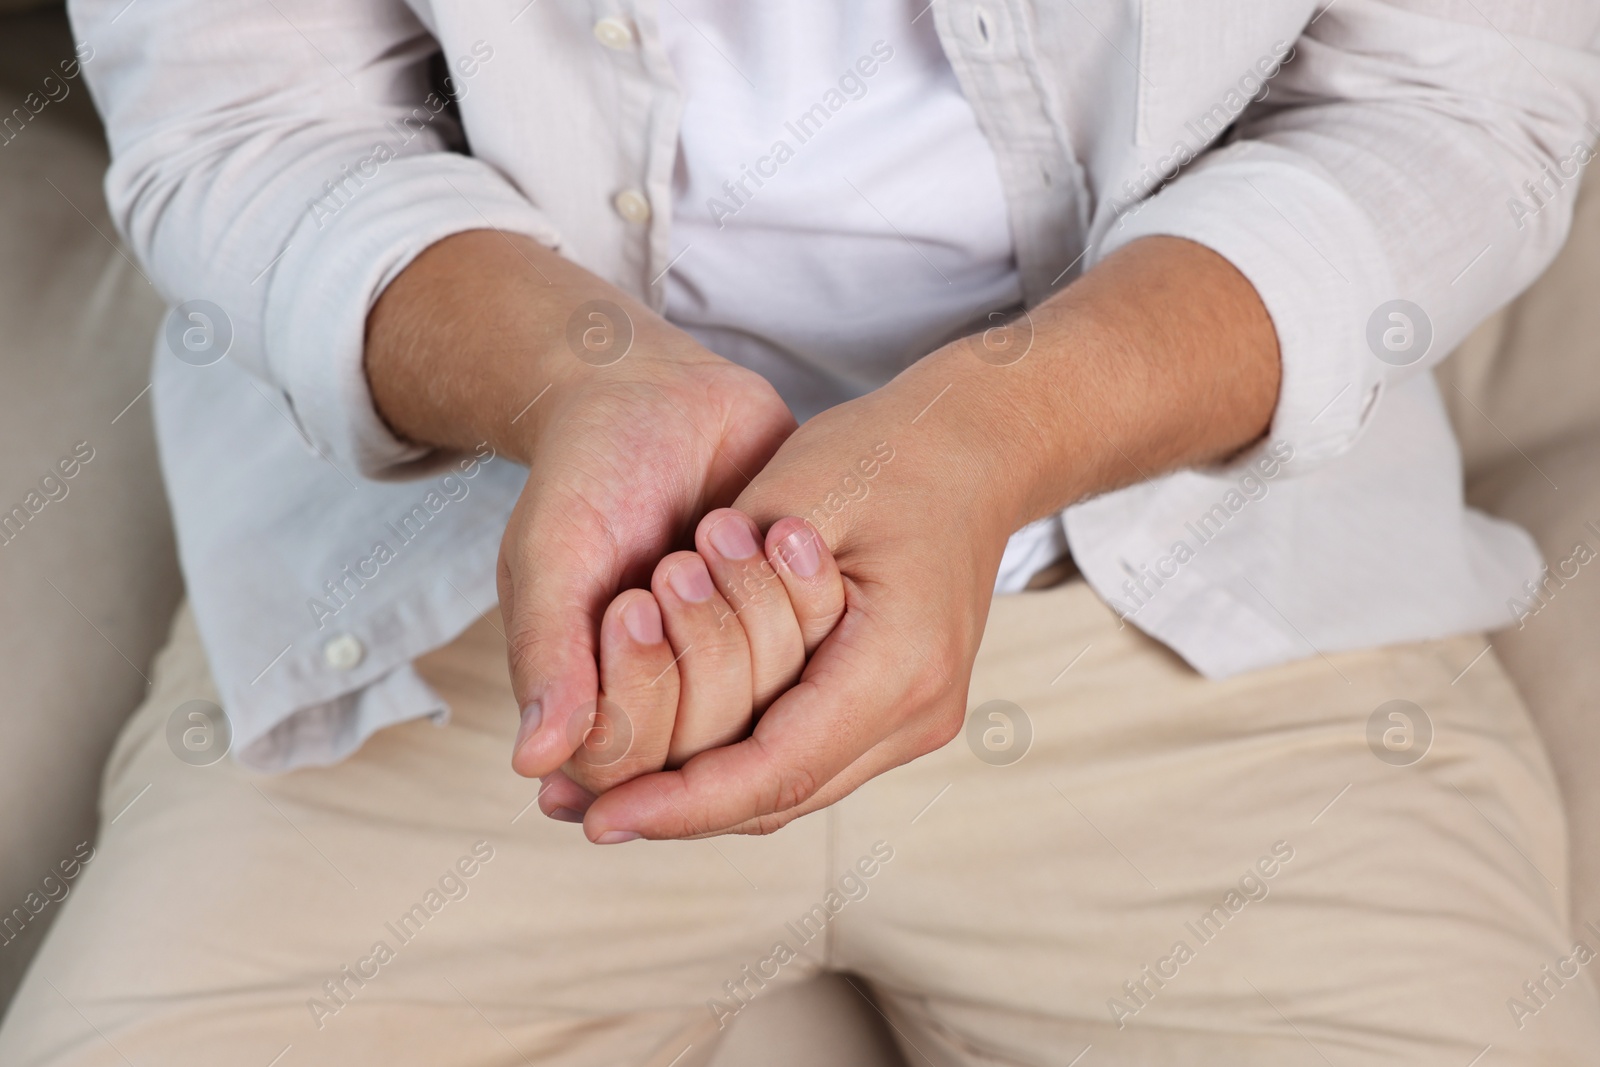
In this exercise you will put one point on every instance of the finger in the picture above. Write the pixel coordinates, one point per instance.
(730, 544)
(886, 755)
(713, 657)
(810, 576)
(859, 690)
(550, 612)
(563, 799)
(628, 731)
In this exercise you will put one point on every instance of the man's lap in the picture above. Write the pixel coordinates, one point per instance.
(221, 903)
(998, 908)
(1415, 899)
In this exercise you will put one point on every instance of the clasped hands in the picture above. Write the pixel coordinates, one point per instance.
(820, 631)
(692, 656)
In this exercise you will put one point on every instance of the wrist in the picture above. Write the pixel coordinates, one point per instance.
(488, 336)
(613, 349)
(1161, 357)
(974, 411)
(962, 425)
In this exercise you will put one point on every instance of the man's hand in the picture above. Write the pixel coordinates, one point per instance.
(1163, 356)
(919, 551)
(688, 665)
(624, 465)
(626, 448)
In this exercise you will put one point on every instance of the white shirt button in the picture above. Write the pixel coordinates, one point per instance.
(614, 33)
(632, 205)
(343, 652)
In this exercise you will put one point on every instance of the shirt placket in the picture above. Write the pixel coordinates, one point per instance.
(990, 46)
(650, 107)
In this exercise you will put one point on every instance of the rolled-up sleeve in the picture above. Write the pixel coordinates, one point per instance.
(1407, 172)
(284, 160)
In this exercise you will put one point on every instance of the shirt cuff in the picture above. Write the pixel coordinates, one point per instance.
(338, 261)
(1315, 260)
(325, 734)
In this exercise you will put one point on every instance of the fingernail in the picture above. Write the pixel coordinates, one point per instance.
(800, 553)
(567, 815)
(690, 580)
(643, 620)
(733, 539)
(532, 715)
(616, 837)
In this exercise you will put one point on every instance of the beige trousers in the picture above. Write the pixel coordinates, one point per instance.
(1175, 871)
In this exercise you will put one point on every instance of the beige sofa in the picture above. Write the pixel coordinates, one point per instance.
(89, 583)
(86, 586)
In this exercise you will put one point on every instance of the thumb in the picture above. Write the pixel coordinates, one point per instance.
(551, 594)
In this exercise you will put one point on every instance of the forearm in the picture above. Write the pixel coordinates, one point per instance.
(1161, 357)
(472, 332)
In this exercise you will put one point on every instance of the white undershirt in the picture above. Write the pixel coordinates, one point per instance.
(837, 212)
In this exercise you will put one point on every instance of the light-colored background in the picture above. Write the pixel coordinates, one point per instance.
(88, 588)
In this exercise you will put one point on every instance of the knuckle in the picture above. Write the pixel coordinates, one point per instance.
(720, 642)
(522, 649)
(729, 623)
(762, 825)
(758, 584)
(604, 779)
(777, 639)
(792, 787)
(926, 684)
(776, 673)
(593, 780)
(944, 727)
(599, 778)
